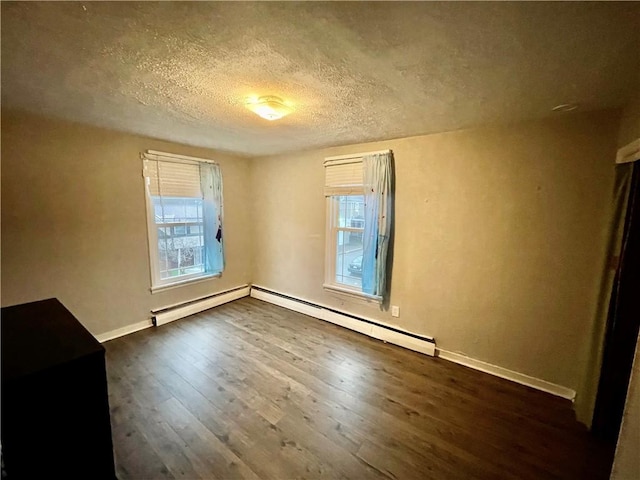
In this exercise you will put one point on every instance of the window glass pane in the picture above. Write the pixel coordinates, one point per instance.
(348, 260)
(162, 254)
(180, 256)
(351, 213)
(180, 239)
(177, 209)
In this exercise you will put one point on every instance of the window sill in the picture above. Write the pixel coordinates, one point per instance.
(353, 294)
(182, 283)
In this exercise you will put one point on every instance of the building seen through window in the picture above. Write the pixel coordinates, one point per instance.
(179, 222)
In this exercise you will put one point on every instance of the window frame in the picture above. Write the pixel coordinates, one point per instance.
(157, 283)
(331, 228)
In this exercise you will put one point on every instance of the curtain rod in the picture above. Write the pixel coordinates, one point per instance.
(178, 157)
(355, 155)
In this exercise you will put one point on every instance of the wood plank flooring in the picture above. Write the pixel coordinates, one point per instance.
(251, 390)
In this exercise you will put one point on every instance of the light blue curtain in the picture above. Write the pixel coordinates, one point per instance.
(212, 212)
(377, 179)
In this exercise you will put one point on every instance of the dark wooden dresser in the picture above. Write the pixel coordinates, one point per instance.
(55, 409)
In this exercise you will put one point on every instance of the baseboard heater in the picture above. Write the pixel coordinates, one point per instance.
(371, 328)
(175, 312)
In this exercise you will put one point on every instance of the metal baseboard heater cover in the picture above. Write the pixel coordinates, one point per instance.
(386, 333)
(175, 312)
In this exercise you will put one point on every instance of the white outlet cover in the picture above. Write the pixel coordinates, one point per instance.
(395, 311)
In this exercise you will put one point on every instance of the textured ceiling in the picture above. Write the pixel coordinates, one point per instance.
(354, 72)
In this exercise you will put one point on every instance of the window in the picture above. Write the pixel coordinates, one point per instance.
(184, 218)
(356, 250)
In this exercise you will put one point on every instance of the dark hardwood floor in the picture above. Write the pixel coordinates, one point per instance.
(251, 390)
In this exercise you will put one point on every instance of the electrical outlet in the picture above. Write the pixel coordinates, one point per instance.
(395, 311)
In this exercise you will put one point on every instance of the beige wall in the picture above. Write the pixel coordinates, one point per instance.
(499, 241)
(499, 238)
(74, 221)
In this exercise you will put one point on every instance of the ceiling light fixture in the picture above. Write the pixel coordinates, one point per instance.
(565, 107)
(269, 107)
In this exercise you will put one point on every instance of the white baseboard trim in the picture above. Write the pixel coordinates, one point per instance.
(161, 317)
(195, 306)
(121, 332)
(375, 329)
(507, 374)
(405, 340)
(371, 328)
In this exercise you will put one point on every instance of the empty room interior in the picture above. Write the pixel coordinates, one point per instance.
(381, 240)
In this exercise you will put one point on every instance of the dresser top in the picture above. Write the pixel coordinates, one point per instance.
(41, 335)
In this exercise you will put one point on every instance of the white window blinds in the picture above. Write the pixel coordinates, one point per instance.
(171, 179)
(343, 177)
